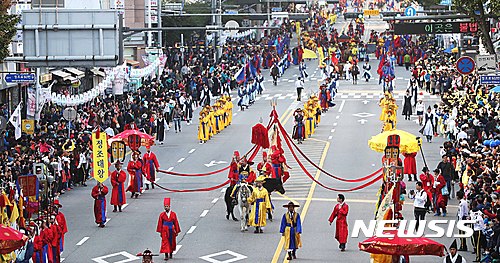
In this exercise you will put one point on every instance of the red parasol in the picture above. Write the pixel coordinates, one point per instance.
(10, 239)
(396, 245)
(146, 139)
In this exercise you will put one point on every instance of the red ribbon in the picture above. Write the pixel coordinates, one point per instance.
(287, 140)
(193, 190)
(285, 134)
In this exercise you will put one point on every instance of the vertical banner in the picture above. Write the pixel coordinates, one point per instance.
(100, 156)
(31, 105)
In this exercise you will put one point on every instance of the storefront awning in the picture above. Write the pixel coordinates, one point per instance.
(61, 74)
(97, 72)
(75, 72)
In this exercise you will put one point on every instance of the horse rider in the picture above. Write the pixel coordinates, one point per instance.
(246, 174)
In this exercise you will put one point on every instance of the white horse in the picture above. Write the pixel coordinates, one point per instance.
(244, 193)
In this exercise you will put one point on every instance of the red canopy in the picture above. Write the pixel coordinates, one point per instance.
(146, 139)
(10, 239)
(401, 245)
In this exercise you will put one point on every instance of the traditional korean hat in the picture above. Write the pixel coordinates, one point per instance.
(236, 153)
(146, 253)
(117, 162)
(56, 203)
(166, 201)
(291, 204)
(453, 244)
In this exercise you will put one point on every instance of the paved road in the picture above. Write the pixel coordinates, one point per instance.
(339, 145)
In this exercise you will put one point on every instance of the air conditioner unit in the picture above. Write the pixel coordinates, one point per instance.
(17, 48)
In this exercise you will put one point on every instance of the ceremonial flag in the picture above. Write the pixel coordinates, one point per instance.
(100, 156)
(252, 68)
(309, 54)
(381, 64)
(240, 75)
(385, 205)
(15, 120)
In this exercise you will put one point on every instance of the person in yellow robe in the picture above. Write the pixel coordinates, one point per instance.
(311, 117)
(229, 104)
(317, 109)
(211, 118)
(291, 228)
(203, 129)
(218, 127)
(260, 204)
(307, 126)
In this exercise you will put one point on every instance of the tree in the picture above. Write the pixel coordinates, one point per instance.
(7, 28)
(480, 11)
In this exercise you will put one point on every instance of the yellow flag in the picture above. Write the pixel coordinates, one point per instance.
(15, 214)
(100, 156)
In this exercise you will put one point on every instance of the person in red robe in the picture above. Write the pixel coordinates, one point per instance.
(265, 167)
(134, 169)
(99, 193)
(439, 200)
(340, 213)
(410, 165)
(61, 222)
(55, 250)
(46, 236)
(234, 173)
(118, 178)
(151, 166)
(38, 256)
(168, 227)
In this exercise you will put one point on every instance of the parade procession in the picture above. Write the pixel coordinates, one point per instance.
(250, 131)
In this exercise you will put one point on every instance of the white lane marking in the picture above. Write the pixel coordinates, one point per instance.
(62, 259)
(108, 219)
(204, 213)
(330, 137)
(191, 230)
(192, 151)
(170, 169)
(125, 205)
(235, 114)
(342, 106)
(332, 130)
(335, 124)
(181, 160)
(128, 257)
(177, 249)
(82, 241)
(157, 179)
(337, 117)
(215, 200)
(223, 190)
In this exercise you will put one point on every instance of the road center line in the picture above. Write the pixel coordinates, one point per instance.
(177, 249)
(332, 130)
(170, 169)
(82, 241)
(125, 205)
(335, 124)
(215, 200)
(330, 137)
(181, 160)
(204, 213)
(277, 253)
(191, 230)
(342, 106)
(192, 151)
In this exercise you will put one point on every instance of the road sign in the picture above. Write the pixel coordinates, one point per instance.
(370, 12)
(20, 78)
(28, 126)
(465, 65)
(69, 114)
(172, 6)
(410, 11)
(435, 28)
(276, 9)
(489, 80)
(486, 63)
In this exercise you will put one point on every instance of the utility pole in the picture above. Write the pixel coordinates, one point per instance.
(150, 34)
(214, 22)
(160, 33)
(268, 17)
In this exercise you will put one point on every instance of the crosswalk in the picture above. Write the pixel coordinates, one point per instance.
(368, 95)
(298, 185)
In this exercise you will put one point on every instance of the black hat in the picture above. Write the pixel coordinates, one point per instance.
(425, 169)
(291, 204)
(453, 245)
(342, 197)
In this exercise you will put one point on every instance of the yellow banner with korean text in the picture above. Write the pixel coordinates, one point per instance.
(100, 156)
